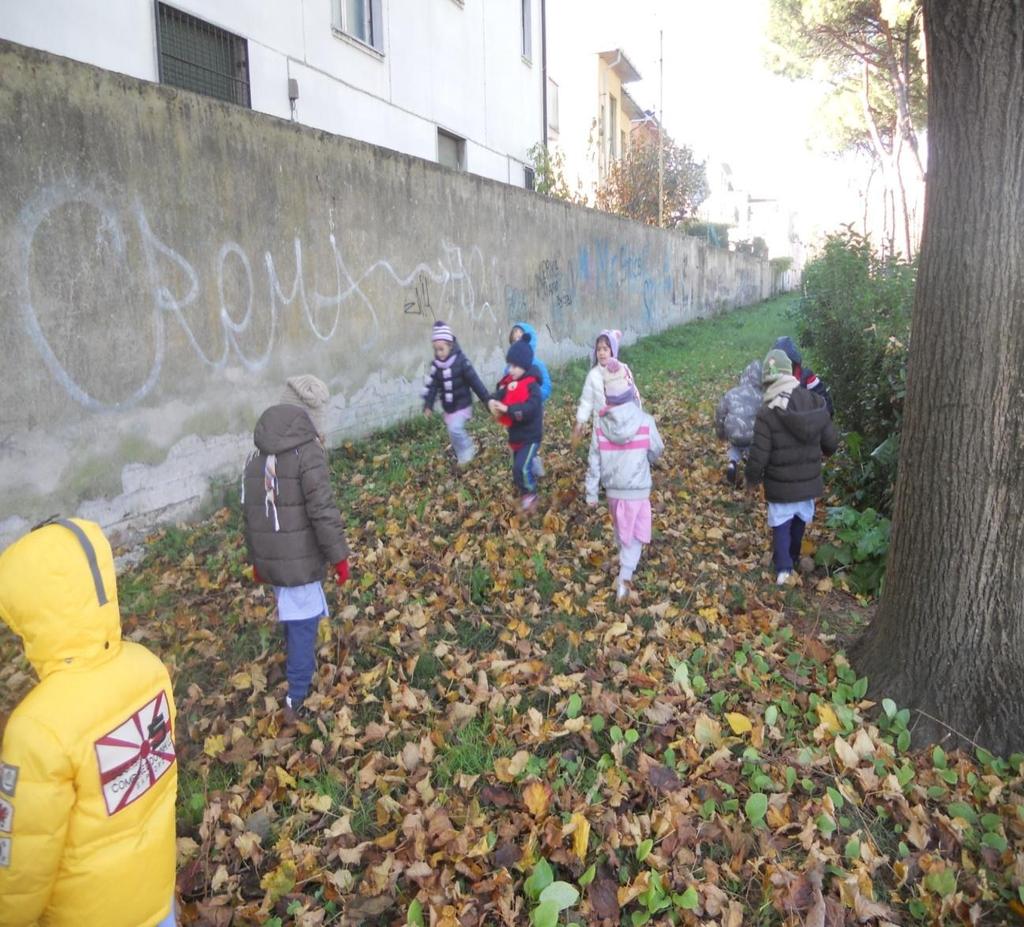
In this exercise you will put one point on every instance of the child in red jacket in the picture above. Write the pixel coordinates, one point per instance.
(517, 405)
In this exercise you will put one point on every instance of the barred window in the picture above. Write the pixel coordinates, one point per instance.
(197, 56)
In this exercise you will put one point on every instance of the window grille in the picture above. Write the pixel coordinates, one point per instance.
(529, 178)
(197, 56)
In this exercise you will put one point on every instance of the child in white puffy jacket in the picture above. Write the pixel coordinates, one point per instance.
(592, 399)
(628, 443)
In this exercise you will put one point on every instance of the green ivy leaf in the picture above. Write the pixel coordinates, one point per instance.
(995, 841)
(545, 914)
(414, 917)
(560, 893)
(688, 900)
(539, 879)
(588, 875)
(941, 881)
(960, 809)
(755, 808)
(643, 849)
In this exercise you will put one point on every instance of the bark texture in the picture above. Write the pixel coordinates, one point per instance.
(948, 639)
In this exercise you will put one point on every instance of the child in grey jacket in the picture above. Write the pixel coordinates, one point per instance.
(628, 443)
(734, 418)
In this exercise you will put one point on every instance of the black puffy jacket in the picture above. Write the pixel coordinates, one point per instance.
(455, 381)
(788, 447)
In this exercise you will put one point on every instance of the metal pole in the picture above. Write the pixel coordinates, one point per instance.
(544, 74)
(661, 116)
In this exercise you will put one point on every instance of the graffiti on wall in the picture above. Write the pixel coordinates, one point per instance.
(250, 304)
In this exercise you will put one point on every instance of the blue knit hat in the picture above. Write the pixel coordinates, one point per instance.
(785, 343)
(520, 354)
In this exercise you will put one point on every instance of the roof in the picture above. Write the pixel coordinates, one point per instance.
(616, 60)
(630, 109)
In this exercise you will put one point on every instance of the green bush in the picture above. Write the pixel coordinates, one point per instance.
(860, 548)
(855, 318)
(715, 234)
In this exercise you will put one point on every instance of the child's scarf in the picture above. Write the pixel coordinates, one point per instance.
(776, 393)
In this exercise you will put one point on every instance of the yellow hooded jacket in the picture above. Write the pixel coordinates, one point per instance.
(88, 777)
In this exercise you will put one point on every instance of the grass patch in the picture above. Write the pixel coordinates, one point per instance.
(472, 751)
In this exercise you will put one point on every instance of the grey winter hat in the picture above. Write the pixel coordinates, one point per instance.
(311, 393)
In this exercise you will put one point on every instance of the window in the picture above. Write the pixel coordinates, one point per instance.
(451, 150)
(529, 180)
(613, 126)
(196, 56)
(360, 19)
(552, 105)
(526, 18)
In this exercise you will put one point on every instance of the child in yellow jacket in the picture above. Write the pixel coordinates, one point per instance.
(88, 773)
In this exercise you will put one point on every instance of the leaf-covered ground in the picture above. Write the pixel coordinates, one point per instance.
(497, 740)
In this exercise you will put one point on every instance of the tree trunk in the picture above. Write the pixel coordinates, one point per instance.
(948, 639)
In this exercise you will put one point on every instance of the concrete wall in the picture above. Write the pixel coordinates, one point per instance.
(167, 260)
(448, 63)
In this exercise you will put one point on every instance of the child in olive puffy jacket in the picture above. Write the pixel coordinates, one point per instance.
(292, 525)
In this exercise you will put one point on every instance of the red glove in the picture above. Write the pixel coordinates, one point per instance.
(256, 575)
(341, 569)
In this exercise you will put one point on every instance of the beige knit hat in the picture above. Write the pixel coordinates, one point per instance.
(311, 394)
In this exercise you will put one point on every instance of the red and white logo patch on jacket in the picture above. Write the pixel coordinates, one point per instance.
(135, 754)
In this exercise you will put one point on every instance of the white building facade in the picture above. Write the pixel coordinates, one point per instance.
(454, 81)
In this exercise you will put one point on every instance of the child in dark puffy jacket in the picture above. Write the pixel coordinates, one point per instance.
(792, 432)
(453, 378)
(807, 377)
(526, 331)
(734, 418)
(517, 405)
(293, 528)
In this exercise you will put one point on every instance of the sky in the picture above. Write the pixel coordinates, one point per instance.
(720, 99)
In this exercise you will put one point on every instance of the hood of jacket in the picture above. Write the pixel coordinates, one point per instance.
(529, 332)
(806, 415)
(751, 375)
(282, 428)
(621, 423)
(785, 344)
(58, 593)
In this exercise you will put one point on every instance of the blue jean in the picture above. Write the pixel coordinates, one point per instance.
(300, 651)
(786, 541)
(522, 468)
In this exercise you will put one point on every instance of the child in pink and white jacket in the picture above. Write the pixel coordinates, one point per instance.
(606, 349)
(628, 443)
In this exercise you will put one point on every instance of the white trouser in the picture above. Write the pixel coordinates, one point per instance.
(629, 557)
(462, 443)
